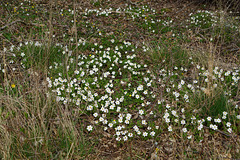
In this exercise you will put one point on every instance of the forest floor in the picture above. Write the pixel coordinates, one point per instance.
(119, 79)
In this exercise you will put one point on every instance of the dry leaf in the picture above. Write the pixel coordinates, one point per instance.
(136, 116)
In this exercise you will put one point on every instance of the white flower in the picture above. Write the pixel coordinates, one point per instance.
(200, 127)
(140, 88)
(168, 89)
(105, 121)
(125, 138)
(183, 122)
(229, 130)
(167, 106)
(144, 122)
(118, 133)
(166, 115)
(118, 139)
(214, 127)
(238, 116)
(130, 135)
(141, 112)
(179, 86)
(145, 134)
(118, 109)
(89, 108)
(211, 126)
(209, 118)
(227, 73)
(128, 116)
(118, 128)
(152, 133)
(137, 96)
(184, 130)
(228, 124)
(170, 128)
(167, 120)
(110, 125)
(120, 120)
(225, 113)
(182, 82)
(236, 106)
(95, 114)
(185, 96)
(182, 110)
(101, 119)
(177, 94)
(174, 113)
(117, 102)
(82, 74)
(89, 128)
(217, 120)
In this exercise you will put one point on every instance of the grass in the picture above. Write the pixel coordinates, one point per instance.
(132, 82)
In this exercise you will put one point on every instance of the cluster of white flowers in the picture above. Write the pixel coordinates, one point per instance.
(182, 90)
(109, 69)
(117, 92)
(203, 18)
(104, 84)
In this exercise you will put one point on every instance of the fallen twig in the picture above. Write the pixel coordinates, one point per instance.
(185, 7)
(129, 1)
(9, 24)
(220, 132)
(32, 24)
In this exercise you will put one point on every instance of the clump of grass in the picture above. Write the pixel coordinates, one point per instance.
(34, 126)
(33, 54)
(211, 105)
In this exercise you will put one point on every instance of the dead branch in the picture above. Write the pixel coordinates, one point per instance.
(9, 24)
(31, 24)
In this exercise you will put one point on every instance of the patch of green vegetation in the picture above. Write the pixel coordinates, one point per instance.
(34, 55)
(211, 106)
